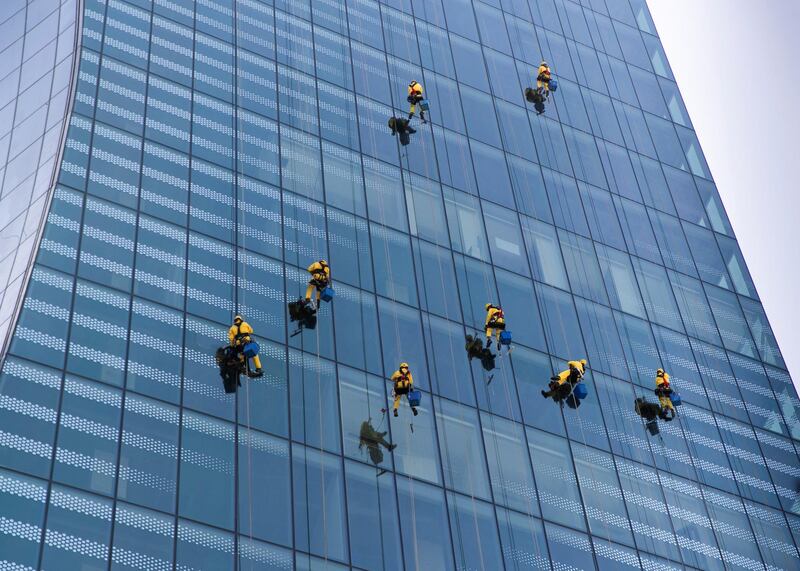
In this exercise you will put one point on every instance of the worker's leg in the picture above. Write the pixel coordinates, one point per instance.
(396, 403)
(412, 109)
(539, 85)
(667, 406)
(257, 362)
(489, 332)
(309, 290)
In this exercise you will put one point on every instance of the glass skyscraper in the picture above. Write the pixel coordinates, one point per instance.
(212, 149)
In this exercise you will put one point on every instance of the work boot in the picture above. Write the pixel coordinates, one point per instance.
(392, 447)
(395, 412)
(488, 342)
(259, 372)
(414, 410)
(312, 305)
(555, 378)
(544, 394)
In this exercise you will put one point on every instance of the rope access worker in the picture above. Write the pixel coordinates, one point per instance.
(574, 373)
(663, 392)
(403, 383)
(414, 97)
(373, 440)
(239, 335)
(495, 323)
(543, 80)
(320, 279)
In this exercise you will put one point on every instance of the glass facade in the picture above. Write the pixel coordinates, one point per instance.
(37, 62)
(216, 147)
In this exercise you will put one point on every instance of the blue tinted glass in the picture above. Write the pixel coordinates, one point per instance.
(215, 149)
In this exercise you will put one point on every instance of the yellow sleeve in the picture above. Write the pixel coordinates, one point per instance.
(410, 379)
(231, 333)
(245, 327)
(395, 376)
(312, 268)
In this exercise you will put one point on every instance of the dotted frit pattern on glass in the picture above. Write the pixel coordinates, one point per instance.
(216, 147)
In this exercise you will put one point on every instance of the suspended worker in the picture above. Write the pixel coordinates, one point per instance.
(543, 80)
(495, 323)
(574, 373)
(414, 97)
(663, 392)
(320, 279)
(373, 440)
(239, 335)
(403, 383)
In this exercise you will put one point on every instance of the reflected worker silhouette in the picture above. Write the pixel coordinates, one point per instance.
(373, 440)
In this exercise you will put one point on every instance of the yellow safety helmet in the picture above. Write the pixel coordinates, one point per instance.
(413, 83)
(403, 366)
(544, 63)
(659, 372)
(323, 262)
(238, 318)
(488, 305)
(583, 361)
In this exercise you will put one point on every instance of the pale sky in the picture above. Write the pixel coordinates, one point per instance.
(737, 63)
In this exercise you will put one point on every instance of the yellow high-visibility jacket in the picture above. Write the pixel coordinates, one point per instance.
(495, 315)
(576, 365)
(320, 272)
(402, 381)
(236, 330)
(543, 71)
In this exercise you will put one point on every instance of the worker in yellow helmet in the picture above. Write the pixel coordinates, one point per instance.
(663, 392)
(403, 383)
(543, 80)
(320, 279)
(574, 373)
(239, 335)
(495, 323)
(414, 97)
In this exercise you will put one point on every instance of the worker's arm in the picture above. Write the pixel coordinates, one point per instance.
(410, 380)
(232, 334)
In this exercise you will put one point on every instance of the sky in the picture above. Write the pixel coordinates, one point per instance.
(737, 64)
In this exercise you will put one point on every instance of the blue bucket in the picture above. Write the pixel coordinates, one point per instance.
(414, 396)
(553, 85)
(505, 337)
(424, 105)
(327, 294)
(580, 391)
(251, 349)
(676, 399)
